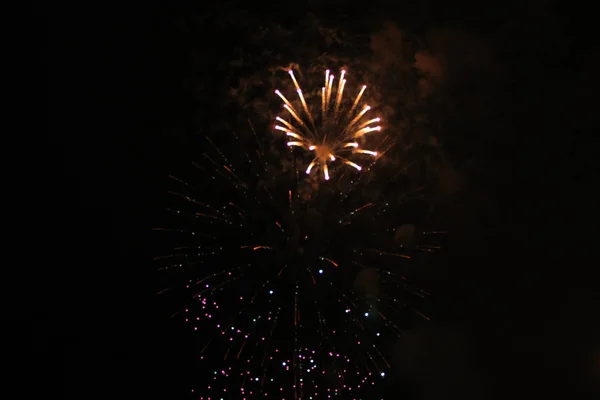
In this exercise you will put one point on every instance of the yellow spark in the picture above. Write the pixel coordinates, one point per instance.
(304, 106)
(294, 79)
(311, 165)
(330, 85)
(312, 147)
(299, 144)
(369, 122)
(340, 89)
(294, 135)
(331, 157)
(323, 101)
(358, 167)
(357, 99)
(326, 172)
(283, 121)
(296, 117)
(338, 100)
(373, 153)
(359, 116)
(362, 131)
(287, 103)
(351, 144)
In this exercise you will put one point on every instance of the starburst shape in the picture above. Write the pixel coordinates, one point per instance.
(332, 133)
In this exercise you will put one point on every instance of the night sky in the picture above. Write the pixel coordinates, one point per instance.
(492, 106)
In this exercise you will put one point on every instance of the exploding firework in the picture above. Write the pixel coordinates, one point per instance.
(332, 132)
(287, 297)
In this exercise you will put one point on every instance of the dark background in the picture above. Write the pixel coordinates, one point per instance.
(521, 295)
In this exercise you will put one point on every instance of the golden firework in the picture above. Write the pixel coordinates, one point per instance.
(331, 134)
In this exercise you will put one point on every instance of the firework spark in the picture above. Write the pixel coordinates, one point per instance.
(333, 132)
(285, 300)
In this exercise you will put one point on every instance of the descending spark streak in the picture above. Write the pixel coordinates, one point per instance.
(261, 247)
(312, 164)
(334, 134)
(386, 253)
(358, 167)
(329, 261)
(372, 153)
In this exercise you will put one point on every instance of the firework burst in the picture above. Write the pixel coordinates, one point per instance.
(287, 297)
(331, 133)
